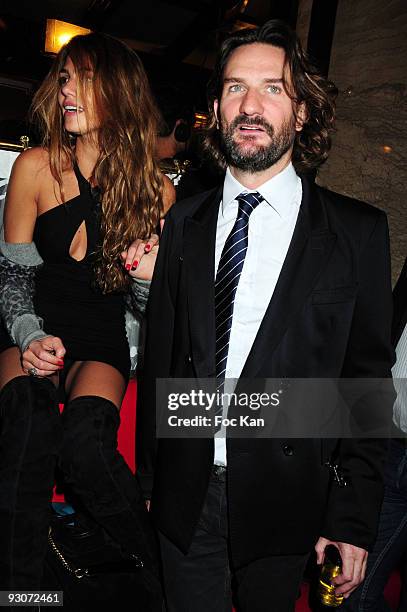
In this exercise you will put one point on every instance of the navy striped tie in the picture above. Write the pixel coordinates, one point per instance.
(227, 278)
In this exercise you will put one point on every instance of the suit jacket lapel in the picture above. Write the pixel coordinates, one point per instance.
(307, 255)
(199, 260)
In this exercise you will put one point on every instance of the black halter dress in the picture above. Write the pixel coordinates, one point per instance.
(90, 324)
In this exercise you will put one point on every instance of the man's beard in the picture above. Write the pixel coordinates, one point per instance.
(260, 157)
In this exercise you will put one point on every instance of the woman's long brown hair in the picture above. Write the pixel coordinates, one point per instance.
(126, 173)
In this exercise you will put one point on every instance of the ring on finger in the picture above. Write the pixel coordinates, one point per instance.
(32, 371)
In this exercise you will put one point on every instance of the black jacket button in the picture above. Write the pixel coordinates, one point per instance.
(288, 450)
(188, 359)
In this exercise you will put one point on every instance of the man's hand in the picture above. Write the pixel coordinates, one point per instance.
(354, 561)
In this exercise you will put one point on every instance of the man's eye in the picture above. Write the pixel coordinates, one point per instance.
(274, 89)
(235, 88)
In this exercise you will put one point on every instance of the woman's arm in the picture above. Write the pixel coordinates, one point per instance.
(18, 265)
(139, 259)
(19, 258)
(19, 261)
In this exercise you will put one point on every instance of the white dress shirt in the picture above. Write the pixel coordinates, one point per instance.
(399, 372)
(271, 228)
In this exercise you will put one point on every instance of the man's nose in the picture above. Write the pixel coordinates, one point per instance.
(251, 103)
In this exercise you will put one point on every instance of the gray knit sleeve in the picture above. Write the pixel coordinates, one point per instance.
(136, 302)
(140, 290)
(18, 266)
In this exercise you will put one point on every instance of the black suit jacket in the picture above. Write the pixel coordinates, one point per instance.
(329, 316)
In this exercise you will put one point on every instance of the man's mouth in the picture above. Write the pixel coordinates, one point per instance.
(250, 128)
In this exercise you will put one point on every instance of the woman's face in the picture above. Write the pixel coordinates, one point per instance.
(78, 108)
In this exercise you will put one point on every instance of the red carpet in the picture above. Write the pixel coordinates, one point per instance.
(302, 604)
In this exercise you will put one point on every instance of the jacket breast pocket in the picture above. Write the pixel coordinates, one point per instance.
(335, 295)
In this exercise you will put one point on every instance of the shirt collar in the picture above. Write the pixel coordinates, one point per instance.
(278, 191)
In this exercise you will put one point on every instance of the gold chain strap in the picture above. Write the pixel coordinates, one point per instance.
(77, 572)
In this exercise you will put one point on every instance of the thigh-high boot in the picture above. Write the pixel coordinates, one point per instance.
(30, 436)
(102, 480)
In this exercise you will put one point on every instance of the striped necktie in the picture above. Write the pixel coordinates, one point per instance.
(227, 278)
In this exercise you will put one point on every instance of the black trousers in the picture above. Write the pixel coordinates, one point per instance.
(203, 581)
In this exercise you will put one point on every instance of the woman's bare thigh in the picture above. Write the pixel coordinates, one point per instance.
(96, 378)
(10, 367)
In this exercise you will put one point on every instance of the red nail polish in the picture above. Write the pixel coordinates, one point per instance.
(128, 266)
(147, 247)
(135, 264)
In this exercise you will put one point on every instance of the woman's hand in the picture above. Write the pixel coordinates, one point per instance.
(43, 357)
(139, 259)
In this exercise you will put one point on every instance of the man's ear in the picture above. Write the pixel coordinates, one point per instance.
(216, 110)
(301, 116)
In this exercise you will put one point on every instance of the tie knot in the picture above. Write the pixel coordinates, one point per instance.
(248, 202)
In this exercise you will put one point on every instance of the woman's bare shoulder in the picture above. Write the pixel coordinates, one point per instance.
(33, 161)
(29, 175)
(29, 172)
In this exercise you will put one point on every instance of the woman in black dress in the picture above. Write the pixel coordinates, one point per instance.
(73, 207)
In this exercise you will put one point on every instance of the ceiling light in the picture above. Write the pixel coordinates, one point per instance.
(58, 33)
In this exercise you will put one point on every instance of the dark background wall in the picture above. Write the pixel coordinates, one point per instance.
(369, 155)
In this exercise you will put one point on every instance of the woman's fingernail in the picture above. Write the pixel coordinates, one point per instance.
(135, 264)
(128, 266)
(147, 247)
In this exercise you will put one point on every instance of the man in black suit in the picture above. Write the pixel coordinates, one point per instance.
(268, 276)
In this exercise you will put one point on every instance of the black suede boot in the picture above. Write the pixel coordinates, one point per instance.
(105, 485)
(30, 436)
